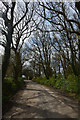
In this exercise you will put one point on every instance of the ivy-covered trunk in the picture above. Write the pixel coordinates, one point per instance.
(17, 66)
(6, 58)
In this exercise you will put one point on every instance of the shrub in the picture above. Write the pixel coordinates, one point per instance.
(72, 83)
(10, 87)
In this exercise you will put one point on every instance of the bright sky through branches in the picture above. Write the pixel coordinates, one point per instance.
(42, 0)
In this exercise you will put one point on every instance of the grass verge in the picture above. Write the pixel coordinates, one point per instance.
(69, 85)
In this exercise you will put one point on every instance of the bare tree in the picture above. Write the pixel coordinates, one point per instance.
(62, 21)
(8, 16)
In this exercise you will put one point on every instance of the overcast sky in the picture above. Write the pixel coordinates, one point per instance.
(1, 50)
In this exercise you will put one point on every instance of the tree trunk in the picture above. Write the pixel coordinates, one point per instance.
(6, 58)
(64, 70)
(77, 4)
(5, 62)
(48, 71)
(18, 66)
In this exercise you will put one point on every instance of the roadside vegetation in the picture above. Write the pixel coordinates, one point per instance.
(10, 88)
(70, 85)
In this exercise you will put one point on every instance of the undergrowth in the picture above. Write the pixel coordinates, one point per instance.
(70, 85)
(9, 88)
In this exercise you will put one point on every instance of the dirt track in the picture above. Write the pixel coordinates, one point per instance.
(39, 101)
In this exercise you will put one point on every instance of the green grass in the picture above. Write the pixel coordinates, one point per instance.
(70, 85)
(9, 88)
